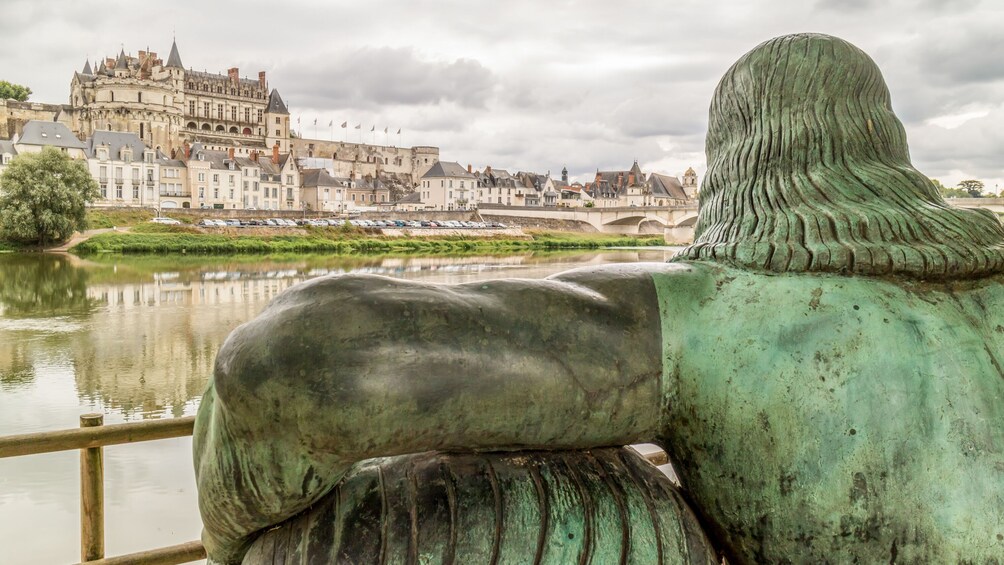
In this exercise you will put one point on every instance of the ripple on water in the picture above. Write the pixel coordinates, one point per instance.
(56, 325)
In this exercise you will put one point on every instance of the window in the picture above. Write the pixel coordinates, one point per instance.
(202, 192)
(233, 113)
(231, 180)
(277, 133)
(118, 191)
(247, 114)
(255, 185)
(289, 179)
(451, 183)
(353, 197)
(219, 111)
(202, 177)
(118, 173)
(216, 179)
(326, 192)
(135, 192)
(216, 192)
(205, 109)
(231, 194)
(139, 96)
(104, 189)
(135, 176)
(102, 172)
(149, 175)
(461, 184)
(245, 185)
(191, 107)
(259, 116)
(277, 122)
(112, 94)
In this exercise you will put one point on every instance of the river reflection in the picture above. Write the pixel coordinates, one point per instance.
(136, 338)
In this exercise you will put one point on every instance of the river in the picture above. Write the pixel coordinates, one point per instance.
(135, 338)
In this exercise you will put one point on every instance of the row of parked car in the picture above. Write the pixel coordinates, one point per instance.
(335, 222)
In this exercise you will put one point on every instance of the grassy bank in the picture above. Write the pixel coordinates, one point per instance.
(170, 239)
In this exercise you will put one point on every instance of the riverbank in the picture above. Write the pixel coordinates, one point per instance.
(153, 239)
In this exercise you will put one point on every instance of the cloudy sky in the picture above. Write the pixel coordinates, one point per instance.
(534, 84)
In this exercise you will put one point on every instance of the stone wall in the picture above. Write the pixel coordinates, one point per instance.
(553, 224)
(14, 114)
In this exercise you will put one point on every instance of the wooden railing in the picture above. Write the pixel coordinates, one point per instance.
(93, 435)
(90, 438)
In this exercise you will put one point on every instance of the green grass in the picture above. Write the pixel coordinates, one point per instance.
(100, 218)
(180, 239)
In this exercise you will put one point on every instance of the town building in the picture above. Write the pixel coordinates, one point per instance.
(497, 186)
(127, 171)
(36, 135)
(633, 188)
(448, 186)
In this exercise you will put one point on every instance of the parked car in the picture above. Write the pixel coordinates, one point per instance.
(166, 221)
(206, 223)
(233, 223)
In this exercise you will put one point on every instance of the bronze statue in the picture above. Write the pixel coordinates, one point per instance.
(823, 366)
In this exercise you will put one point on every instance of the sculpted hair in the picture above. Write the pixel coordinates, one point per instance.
(809, 171)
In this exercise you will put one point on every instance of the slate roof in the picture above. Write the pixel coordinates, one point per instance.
(36, 132)
(7, 147)
(318, 178)
(115, 140)
(448, 169)
(174, 59)
(665, 185)
(413, 198)
(87, 68)
(122, 62)
(275, 104)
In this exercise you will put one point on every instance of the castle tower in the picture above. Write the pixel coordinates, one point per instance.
(690, 187)
(276, 121)
(564, 174)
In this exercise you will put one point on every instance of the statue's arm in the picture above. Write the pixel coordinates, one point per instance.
(347, 368)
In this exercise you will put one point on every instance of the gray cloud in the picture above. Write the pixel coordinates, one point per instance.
(537, 85)
(373, 76)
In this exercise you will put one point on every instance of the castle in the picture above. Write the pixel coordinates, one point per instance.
(167, 106)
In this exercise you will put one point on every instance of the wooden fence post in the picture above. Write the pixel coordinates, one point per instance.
(92, 496)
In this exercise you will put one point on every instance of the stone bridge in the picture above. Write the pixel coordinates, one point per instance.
(676, 221)
(995, 205)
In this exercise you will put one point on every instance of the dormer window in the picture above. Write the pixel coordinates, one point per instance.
(103, 154)
(231, 165)
(45, 134)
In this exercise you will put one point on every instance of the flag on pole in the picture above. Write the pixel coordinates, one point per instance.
(399, 131)
(358, 126)
(373, 128)
(298, 120)
(331, 123)
(385, 129)
(315, 121)
(345, 124)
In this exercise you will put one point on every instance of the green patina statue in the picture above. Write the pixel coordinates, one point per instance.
(823, 366)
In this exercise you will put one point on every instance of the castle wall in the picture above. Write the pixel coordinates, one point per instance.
(364, 159)
(14, 114)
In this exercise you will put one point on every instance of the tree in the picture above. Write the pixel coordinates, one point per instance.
(15, 91)
(43, 197)
(973, 187)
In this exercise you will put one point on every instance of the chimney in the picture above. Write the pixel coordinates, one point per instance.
(469, 170)
(254, 156)
(352, 175)
(620, 179)
(275, 153)
(231, 152)
(188, 151)
(488, 169)
(630, 179)
(234, 75)
(261, 79)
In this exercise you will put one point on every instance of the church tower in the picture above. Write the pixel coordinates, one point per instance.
(690, 183)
